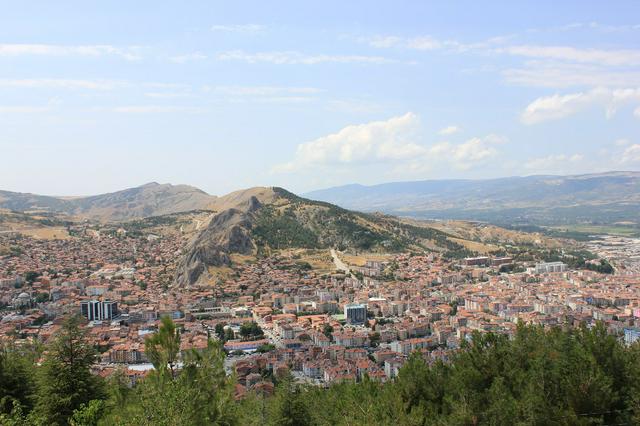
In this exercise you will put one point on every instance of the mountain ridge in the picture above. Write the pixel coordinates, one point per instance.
(283, 220)
(612, 196)
(150, 199)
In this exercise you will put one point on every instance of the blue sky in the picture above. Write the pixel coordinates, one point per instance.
(96, 96)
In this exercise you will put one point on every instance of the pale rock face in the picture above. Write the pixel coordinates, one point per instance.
(228, 232)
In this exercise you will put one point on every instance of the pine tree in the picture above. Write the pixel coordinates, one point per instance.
(200, 393)
(162, 348)
(17, 384)
(65, 381)
(288, 406)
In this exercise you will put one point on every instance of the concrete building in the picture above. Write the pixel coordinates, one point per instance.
(477, 261)
(95, 310)
(549, 267)
(355, 313)
(631, 335)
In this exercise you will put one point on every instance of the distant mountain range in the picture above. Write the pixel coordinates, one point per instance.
(539, 200)
(546, 200)
(263, 220)
(152, 199)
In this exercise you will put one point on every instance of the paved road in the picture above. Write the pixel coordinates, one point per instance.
(340, 265)
(273, 338)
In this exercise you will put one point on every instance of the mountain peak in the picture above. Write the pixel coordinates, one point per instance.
(150, 199)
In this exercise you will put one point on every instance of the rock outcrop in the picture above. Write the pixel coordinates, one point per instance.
(227, 232)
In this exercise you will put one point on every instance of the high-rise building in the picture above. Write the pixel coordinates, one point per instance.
(109, 309)
(95, 310)
(355, 313)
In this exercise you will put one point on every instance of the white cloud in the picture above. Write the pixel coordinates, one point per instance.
(449, 130)
(374, 141)
(273, 99)
(430, 43)
(554, 107)
(621, 155)
(473, 151)
(384, 41)
(426, 43)
(559, 74)
(167, 86)
(294, 58)
(9, 109)
(559, 106)
(152, 109)
(265, 94)
(168, 95)
(636, 112)
(189, 57)
(390, 143)
(129, 53)
(631, 155)
(263, 90)
(624, 57)
(605, 28)
(239, 28)
(53, 83)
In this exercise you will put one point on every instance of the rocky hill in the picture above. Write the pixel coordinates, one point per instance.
(546, 200)
(152, 199)
(261, 220)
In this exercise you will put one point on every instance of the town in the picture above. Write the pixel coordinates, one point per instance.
(277, 314)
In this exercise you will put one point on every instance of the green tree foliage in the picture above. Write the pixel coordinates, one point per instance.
(65, 381)
(31, 276)
(162, 348)
(219, 329)
(288, 407)
(200, 394)
(539, 377)
(228, 335)
(88, 414)
(41, 297)
(536, 377)
(374, 339)
(328, 331)
(278, 229)
(604, 267)
(17, 382)
(267, 347)
(251, 330)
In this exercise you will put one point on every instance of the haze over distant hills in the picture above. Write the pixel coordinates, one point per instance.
(543, 200)
(603, 197)
(152, 199)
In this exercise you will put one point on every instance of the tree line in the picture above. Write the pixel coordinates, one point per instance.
(538, 376)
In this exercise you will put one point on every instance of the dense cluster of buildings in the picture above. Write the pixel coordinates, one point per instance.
(320, 328)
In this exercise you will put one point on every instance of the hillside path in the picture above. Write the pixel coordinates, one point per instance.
(340, 265)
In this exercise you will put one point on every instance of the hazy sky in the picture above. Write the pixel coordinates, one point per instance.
(97, 96)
